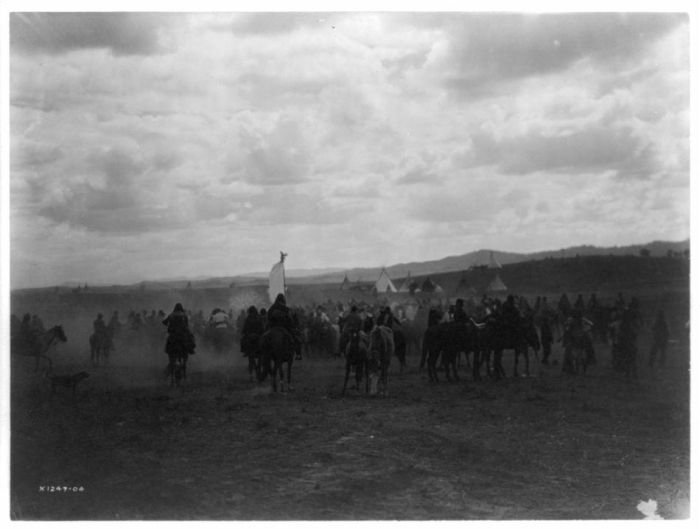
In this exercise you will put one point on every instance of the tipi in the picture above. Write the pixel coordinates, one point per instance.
(384, 283)
(497, 285)
(430, 286)
(405, 285)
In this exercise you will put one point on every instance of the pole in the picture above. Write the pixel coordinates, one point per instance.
(284, 275)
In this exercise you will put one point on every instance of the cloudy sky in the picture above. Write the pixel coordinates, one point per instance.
(154, 145)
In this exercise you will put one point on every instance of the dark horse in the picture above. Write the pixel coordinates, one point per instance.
(356, 355)
(100, 347)
(38, 345)
(276, 349)
(178, 353)
(400, 347)
(498, 335)
(447, 340)
(381, 345)
(250, 346)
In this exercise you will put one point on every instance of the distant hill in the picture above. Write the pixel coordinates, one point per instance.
(455, 263)
(482, 258)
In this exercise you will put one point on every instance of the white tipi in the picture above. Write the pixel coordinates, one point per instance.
(384, 283)
(406, 286)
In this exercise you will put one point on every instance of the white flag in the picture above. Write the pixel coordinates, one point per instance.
(276, 281)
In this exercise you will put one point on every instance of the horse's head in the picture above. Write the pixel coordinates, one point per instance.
(57, 331)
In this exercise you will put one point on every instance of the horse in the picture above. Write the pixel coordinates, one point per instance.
(381, 347)
(178, 353)
(276, 349)
(356, 355)
(447, 340)
(578, 348)
(576, 352)
(38, 345)
(400, 347)
(250, 347)
(414, 330)
(498, 335)
(100, 346)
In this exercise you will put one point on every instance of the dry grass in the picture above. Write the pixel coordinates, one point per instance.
(549, 447)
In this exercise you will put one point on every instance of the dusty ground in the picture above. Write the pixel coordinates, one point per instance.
(545, 447)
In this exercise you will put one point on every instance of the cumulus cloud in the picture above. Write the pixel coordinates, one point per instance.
(583, 151)
(276, 23)
(311, 130)
(54, 33)
(485, 51)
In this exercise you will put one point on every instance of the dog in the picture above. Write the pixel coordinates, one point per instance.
(67, 381)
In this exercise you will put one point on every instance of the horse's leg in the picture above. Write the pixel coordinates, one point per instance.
(497, 365)
(526, 353)
(274, 376)
(384, 376)
(423, 357)
(281, 373)
(432, 367)
(171, 369)
(476, 375)
(447, 360)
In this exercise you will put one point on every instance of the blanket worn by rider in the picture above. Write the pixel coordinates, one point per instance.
(279, 317)
(180, 338)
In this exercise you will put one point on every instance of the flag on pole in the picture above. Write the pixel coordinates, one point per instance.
(277, 281)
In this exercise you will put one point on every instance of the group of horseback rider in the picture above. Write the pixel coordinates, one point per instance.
(257, 323)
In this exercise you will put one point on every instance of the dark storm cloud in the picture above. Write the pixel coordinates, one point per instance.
(488, 49)
(276, 23)
(596, 149)
(418, 175)
(55, 33)
(34, 155)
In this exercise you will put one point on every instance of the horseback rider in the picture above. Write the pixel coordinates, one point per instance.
(460, 315)
(279, 316)
(577, 333)
(99, 327)
(253, 329)
(510, 313)
(352, 323)
(387, 319)
(114, 324)
(218, 319)
(101, 333)
(28, 336)
(180, 338)
(434, 317)
(660, 336)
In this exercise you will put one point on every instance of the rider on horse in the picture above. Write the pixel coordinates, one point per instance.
(352, 324)
(280, 316)
(28, 335)
(180, 338)
(577, 333)
(99, 327)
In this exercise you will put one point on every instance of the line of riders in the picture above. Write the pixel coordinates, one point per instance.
(482, 329)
